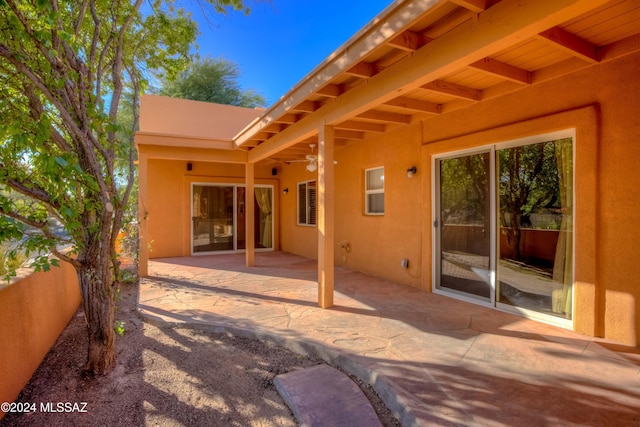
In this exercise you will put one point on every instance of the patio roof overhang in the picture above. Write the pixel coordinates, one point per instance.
(421, 58)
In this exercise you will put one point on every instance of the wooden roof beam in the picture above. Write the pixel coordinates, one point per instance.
(501, 69)
(501, 26)
(475, 6)
(571, 43)
(287, 119)
(330, 91)
(274, 128)
(415, 105)
(382, 116)
(260, 136)
(306, 106)
(409, 41)
(362, 126)
(363, 70)
(452, 89)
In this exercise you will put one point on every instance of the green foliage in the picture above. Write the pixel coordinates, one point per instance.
(11, 259)
(530, 182)
(69, 71)
(70, 75)
(464, 189)
(119, 327)
(212, 80)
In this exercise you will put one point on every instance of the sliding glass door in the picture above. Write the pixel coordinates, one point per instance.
(464, 229)
(535, 268)
(504, 226)
(219, 218)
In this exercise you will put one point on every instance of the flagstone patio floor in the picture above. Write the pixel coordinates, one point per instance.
(434, 360)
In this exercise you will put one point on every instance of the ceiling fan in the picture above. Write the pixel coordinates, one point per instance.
(311, 158)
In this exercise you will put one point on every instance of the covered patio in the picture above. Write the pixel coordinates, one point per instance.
(434, 360)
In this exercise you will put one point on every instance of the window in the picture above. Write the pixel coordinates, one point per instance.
(307, 203)
(374, 191)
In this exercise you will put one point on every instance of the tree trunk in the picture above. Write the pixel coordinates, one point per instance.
(98, 298)
(513, 233)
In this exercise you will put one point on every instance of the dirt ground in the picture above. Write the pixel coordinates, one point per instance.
(165, 376)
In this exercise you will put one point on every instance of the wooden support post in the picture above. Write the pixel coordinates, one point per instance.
(249, 215)
(325, 217)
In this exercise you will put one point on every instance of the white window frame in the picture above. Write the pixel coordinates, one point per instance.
(435, 184)
(307, 222)
(367, 192)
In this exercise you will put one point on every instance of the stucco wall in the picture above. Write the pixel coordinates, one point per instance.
(601, 102)
(294, 238)
(168, 206)
(607, 295)
(33, 312)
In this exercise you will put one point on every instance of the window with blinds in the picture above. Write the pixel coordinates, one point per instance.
(307, 203)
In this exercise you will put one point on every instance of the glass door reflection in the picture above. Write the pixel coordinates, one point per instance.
(464, 229)
(213, 218)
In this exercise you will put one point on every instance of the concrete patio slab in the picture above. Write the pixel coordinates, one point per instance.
(434, 360)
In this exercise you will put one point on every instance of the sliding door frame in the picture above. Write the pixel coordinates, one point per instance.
(235, 187)
(494, 255)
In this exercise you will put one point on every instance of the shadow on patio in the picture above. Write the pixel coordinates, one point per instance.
(434, 360)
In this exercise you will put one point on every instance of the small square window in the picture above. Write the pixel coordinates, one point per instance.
(374, 191)
(307, 203)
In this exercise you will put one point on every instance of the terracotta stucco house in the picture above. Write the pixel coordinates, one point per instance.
(487, 150)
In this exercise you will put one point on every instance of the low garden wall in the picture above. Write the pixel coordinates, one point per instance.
(34, 310)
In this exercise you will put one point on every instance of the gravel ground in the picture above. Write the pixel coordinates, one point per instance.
(166, 376)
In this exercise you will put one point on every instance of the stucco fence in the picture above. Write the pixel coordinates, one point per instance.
(34, 310)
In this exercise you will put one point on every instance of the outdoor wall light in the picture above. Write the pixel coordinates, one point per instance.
(411, 171)
(285, 191)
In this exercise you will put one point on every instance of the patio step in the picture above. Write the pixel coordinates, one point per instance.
(322, 396)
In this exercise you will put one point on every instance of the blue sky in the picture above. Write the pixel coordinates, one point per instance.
(282, 40)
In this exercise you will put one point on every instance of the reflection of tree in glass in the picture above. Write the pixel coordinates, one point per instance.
(464, 190)
(529, 184)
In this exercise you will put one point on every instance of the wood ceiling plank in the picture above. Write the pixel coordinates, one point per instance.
(501, 69)
(363, 70)
(475, 6)
(408, 41)
(274, 128)
(363, 126)
(287, 118)
(381, 116)
(415, 105)
(306, 106)
(330, 90)
(452, 89)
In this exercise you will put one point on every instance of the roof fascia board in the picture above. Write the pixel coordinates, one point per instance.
(151, 138)
(165, 152)
(395, 18)
(503, 25)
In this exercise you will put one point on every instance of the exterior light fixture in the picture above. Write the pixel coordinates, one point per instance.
(411, 171)
(286, 191)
